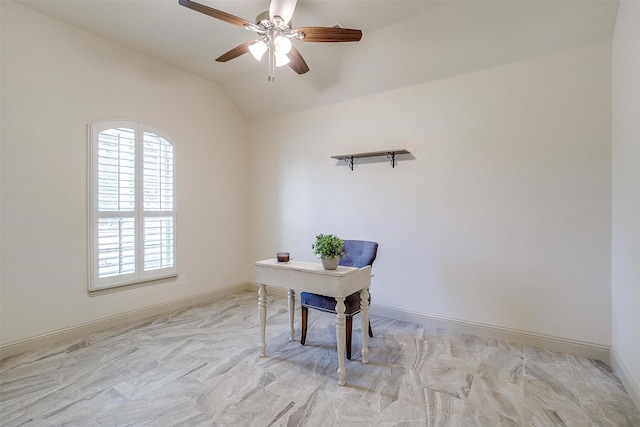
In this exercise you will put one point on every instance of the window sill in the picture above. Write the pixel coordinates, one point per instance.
(168, 279)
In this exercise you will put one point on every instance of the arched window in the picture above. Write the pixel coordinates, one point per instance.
(132, 204)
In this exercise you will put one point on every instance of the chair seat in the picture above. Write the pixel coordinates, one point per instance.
(328, 304)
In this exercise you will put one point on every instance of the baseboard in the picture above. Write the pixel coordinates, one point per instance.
(77, 331)
(548, 342)
(633, 389)
(578, 348)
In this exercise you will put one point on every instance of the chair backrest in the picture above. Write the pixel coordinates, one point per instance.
(359, 253)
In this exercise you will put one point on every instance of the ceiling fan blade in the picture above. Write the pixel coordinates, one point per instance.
(218, 14)
(329, 34)
(282, 8)
(297, 61)
(235, 52)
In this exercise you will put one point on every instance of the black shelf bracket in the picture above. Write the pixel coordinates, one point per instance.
(349, 160)
(392, 156)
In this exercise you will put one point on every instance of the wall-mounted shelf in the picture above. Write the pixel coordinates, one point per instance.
(391, 155)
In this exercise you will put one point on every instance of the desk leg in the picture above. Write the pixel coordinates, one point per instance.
(364, 313)
(291, 296)
(341, 338)
(262, 310)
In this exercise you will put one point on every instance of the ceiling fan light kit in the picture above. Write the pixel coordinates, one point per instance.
(275, 31)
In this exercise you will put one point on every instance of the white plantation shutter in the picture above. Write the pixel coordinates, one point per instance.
(132, 210)
(157, 179)
(116, 202)
(158, 243)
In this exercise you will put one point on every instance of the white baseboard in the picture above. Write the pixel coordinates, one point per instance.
(77, 331)
(548, 342)
(578, 348)
(633, 389)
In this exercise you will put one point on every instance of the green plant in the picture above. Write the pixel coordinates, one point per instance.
(328, 246)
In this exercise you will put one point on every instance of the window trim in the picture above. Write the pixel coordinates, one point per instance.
(140, 277)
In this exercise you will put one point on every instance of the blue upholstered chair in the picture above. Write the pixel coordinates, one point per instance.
(358, 253)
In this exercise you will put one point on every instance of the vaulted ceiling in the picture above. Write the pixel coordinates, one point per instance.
(404, 42)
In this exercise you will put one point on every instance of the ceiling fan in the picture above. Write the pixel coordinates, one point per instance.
(275, 33)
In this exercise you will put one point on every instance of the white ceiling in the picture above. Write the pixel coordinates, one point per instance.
(404, 42)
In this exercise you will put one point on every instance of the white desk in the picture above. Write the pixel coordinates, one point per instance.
(311, 277)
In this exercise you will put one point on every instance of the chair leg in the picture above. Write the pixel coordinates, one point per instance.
(370, 331)
(303, 333)
(349, 328)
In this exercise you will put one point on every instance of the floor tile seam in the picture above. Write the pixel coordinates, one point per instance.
(482, 412)
(627, 406)
(191, 399)
(21, 409)
(476, 373)
(557, 398)
(9, 387)
(473, 380)
(602, 381)
(101, 389)
(143, 391)
(591, 397)
(25, 365)
(45, 392)
(559, 410)
(522, 390)
(575, 387)
(401, 417)
(505, 371)
(519, 410)
(435, 418)
(72, 393)
(5, 365)
(9, 364)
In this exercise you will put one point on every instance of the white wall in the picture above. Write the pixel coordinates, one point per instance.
(56, 80)
(503, 216)
(626, 195)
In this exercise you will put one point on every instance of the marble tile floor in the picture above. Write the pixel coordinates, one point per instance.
(200, 367)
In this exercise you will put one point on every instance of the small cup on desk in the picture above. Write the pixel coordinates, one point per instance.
(283, 256)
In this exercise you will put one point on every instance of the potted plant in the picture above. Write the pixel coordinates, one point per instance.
(330, 249)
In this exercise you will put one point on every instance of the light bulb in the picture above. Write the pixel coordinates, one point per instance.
(282, 44)
(281, 59)
(258, 49)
